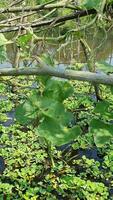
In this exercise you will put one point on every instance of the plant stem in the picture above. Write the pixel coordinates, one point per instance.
(50, 153)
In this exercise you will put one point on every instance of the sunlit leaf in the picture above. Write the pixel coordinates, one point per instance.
(23, 40)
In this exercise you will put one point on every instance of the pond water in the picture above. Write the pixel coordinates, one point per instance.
(71, 52)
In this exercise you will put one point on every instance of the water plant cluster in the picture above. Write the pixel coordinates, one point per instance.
(39, 161)
(56, 135)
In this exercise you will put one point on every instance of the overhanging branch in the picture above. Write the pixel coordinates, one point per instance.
(53, 21)
(67, 74)
(45, 6)
(77, 13)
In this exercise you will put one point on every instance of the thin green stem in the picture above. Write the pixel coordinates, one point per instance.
(50, 153)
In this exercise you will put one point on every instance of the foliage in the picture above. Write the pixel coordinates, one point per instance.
(3, 43)
(104, 67)
(88, 4)
(22, 163)
(60, 145)
(80, 172)
(50, 121)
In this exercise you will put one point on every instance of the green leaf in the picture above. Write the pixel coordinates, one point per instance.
(43, 79)
(23, 40)
(2, 87)
(103, 108)
(41, 107)
(58, 90)
(56, 133)
(28, 111)
(101, 131)
(47, 59)
(56, 111)
(90, 4)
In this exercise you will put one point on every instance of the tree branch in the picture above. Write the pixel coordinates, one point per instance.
(45, 6)
(66, 74)
(54, 21)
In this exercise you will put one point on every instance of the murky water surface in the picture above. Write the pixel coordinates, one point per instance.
(70, 52)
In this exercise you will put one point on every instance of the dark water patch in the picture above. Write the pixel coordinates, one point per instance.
(65, 147)
(111, 192)
(90, 154)
(10, 121)
(2, 165)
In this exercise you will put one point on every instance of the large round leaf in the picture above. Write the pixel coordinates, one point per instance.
(58, 90)
(56, 133)
(101, 131)
(25, 113)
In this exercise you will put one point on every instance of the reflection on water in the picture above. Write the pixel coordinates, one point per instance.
(6, 65)
(70, 52)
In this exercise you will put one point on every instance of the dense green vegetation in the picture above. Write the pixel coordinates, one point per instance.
(56, 135)
(34, 170)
